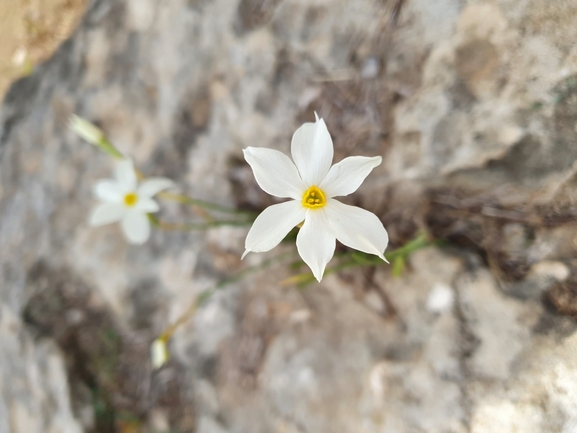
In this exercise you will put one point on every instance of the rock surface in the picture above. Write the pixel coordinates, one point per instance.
(473, 105)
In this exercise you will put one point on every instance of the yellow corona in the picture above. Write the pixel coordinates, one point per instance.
(130, 199)
(314, 198)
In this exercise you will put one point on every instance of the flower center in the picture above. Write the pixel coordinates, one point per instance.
(130, 199)
(314, 198)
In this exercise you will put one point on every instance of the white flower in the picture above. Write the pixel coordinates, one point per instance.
(85, 129)
(312, 183)
(126, 201)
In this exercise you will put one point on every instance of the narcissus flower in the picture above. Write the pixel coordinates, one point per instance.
(126, 201)
(312, 184)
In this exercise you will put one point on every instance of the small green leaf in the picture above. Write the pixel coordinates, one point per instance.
(364, 259)
(153, 220)
(398, 266)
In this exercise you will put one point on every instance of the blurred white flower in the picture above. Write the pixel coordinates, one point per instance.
(87, 130)
(312, 183)
(126, 201)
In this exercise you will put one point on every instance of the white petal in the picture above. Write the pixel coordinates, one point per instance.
(312, 151)
(106, 213)
(108, 190)
(357, 228)
(126, 175)
(272, 225)
(136, 227)
(275, 172)
(146, 205)
(153, 186)
(345, 177)
(316, 242)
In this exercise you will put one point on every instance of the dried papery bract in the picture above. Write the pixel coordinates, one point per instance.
(94, 135)
(159, 354)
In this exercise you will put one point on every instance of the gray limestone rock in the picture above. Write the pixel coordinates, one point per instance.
(473, 106)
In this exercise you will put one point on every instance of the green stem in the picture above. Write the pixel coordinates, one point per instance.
(202, 297)
(187, 227)
(356, 258)
(204, 204)
(109, 148)
(195, 226)
(206, 294)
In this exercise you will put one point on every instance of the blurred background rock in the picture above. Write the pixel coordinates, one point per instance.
(473, 106)
(30, 31)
